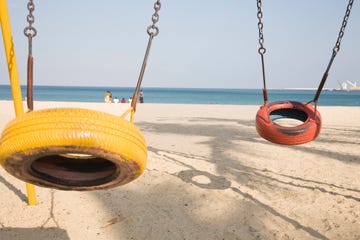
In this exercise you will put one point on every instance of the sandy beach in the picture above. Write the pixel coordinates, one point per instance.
(209, 176)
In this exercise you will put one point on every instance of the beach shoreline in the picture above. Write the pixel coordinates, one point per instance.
(209, 176)
(215, 96)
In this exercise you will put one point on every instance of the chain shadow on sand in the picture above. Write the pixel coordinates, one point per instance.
(293, 222)
(265, 175)
(220, 182)
(122, 202)
(174, 217)
(337, 134)
(247, 132)
(224, 163)
(178, 209)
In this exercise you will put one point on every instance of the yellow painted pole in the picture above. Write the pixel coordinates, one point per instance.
(31, 194)
(14, 77)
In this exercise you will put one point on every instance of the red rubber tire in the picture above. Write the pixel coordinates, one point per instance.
(295, 135)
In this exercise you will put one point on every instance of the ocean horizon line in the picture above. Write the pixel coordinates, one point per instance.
(180, 88)
(231, 96)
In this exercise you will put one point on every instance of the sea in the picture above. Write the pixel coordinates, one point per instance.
(186, 95)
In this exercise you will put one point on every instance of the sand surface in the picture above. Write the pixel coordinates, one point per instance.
(209, 176)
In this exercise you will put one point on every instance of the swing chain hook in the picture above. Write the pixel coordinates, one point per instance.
(153, 30)
(29, 30)
(262, 49)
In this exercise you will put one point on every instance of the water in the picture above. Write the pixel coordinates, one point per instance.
(186, 95)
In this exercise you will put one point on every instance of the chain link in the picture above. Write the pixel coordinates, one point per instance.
(262, 50)
(153, 30)
(30, 31)
(343, 26)
(336, 48)
(334, 52)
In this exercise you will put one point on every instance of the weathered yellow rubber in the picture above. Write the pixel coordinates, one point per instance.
(73, 149)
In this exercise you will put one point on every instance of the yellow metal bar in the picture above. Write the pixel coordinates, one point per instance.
(11, 58)
(14, 77)
(30, 189)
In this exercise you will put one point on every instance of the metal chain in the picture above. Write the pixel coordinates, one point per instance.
(153, 31)
(335, 51)
(30, 32)
(343, 26)
(262, 49)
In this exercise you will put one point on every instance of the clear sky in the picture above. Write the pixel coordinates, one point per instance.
(202, 43)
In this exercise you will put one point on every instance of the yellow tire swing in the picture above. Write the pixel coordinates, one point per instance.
(75, 149)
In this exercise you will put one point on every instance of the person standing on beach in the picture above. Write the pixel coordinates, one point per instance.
(108, 97)
(141, 96)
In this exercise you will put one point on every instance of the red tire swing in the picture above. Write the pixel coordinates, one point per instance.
(306, 113)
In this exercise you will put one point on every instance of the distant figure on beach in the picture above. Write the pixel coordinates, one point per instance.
(130, 100)
(141, 96)
(108, 97)
(116, 100)
(123, 100)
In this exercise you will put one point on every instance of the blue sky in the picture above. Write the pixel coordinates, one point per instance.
(202, 43)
